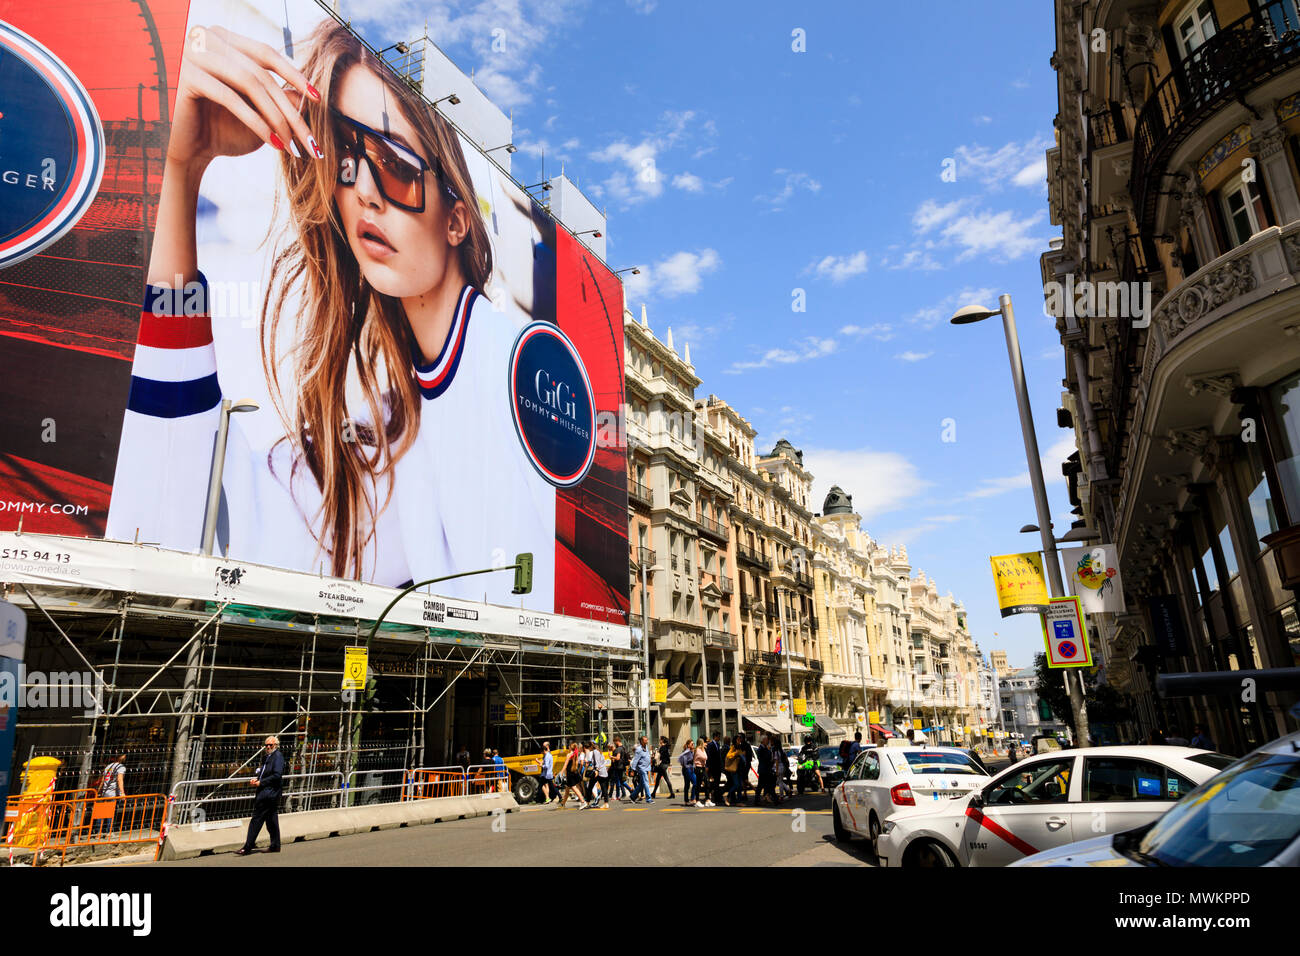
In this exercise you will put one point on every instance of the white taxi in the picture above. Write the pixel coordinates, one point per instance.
(884, 782)
(1047, 801)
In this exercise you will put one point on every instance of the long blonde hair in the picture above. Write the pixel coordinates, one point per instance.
(343, 323)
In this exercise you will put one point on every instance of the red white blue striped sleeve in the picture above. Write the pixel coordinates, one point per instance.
(163, 461)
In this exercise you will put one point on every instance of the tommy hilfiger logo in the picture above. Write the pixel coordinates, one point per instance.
(553, 406)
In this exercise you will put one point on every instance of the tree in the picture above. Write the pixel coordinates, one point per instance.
(1105, 704)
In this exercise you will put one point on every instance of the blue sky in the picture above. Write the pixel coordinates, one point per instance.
(776, 170)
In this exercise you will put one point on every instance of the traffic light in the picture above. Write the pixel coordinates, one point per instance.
(523, 573)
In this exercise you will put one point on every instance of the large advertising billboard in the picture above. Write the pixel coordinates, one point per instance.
(273, 231)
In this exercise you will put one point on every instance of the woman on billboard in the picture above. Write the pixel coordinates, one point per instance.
(384, 358)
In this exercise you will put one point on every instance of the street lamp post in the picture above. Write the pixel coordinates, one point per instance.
(189, 691)
(785, 648)
(645, 642)
(975, 313)
(862, 674)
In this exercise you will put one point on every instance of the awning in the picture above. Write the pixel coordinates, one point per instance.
(831, 727)
(881, 730)
(772, 723)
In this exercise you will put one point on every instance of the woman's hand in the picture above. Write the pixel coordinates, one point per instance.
(229, 100)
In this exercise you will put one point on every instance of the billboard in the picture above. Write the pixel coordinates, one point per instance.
(412, 360)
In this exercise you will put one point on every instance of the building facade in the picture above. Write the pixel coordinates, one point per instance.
(1174, 286)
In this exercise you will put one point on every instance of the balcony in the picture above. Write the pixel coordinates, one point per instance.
(1240, 56)
(1106, 127)
(803, 579)
(713, 529)
(720, 639)
(814, 665)
(750, 556)
(812, 620)
(750, 603)
(640, 493)
(773, 612)
(758, 658)
(646, 557)
(726, 585)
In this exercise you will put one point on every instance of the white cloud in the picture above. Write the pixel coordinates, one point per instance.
(640, 180)
(879, 481)
(912, 259)
(982, 120)
(930, 213)
(804, 350)
(1003, 236)
(1061, 449)
(880, 331)
(643, 6)
(681, 273)
(927, 524)
(793, 183)
(942, 311)
(913, 356)
(688, 182)
(839, 268)
(1010, 162)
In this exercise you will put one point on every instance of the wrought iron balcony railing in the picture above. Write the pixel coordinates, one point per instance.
(748, 554)
(640, 493)
(1226, 67)
(646, 557)
(726, 585)
(712, 529)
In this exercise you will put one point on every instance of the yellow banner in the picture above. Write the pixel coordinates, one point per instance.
(800, 706)
(660, 690)
(1021, 586)
(916, 724)
(873, 716)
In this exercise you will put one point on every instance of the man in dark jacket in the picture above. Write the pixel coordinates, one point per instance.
(266, 804)
(715, 753)
(664, 768)
(766, 778)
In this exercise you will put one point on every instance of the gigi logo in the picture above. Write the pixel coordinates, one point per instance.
(551, 400)
(51, 147)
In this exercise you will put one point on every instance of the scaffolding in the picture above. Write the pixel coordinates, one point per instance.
(262, 671)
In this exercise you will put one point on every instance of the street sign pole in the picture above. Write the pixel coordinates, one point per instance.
(785, 649)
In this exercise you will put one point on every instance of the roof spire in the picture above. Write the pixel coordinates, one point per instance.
(669, 341)
(687, 355)
(645, 323)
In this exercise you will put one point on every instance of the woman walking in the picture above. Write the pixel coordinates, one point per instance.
(663, 769)
(687, 761)
(702, 774)
(573, 777)
(732, 766)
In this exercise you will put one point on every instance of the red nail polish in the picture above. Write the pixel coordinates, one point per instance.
(315, 94)
(275, 141)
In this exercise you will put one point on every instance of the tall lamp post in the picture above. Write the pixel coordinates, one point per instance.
(976, 313)
(645, 641)
(185, 722)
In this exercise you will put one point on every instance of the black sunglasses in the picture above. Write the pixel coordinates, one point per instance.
(396, 170)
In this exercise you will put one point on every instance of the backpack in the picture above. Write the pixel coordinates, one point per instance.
(844, 750)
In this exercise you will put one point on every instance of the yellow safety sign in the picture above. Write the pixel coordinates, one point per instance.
(873, 716)
(355, 664)
(661, 690)
(800, 706)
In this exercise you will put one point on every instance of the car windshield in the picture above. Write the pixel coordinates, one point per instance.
(927, 761)
(1243, 817)
(829, 754)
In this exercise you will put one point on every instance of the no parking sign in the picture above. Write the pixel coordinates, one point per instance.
(1065, 634)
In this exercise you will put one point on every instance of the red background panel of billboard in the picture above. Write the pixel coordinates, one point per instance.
(69, 314)
(591, 556)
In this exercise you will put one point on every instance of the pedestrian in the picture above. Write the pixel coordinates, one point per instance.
(844, 756)
(1201, 738)
(266, 801)
(641, 771)
(746, 764)
(1155, 738)
(111, 786)
(702, 774)
(502, 774)
(548, 774)
(766, 773)
(663, 768)
(463, 758)
(573, 777)
(598, 763)
(717, 754)
(687, 761)
(617, 767)
(732, 766)
(782, 764)
(855, 748)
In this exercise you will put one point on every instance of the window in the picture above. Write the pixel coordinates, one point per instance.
(1259, 502)
(1243, 210)
(1194, 27)
(1283, 15)
(1229, 555)
(1124, 778)
(1045, 781)
(1211, 572)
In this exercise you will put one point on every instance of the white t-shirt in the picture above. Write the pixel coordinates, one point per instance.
(464, 496)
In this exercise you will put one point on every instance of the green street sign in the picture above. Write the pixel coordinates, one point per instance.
(808, 720)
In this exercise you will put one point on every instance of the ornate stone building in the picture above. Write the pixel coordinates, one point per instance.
(1174, 180)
